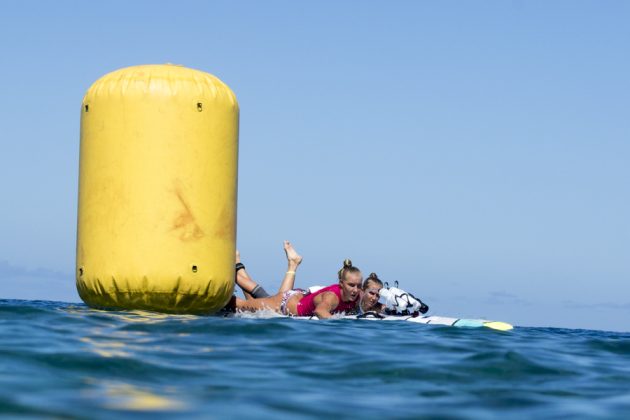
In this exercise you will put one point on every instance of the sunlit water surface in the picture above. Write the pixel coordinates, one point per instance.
(66, 360)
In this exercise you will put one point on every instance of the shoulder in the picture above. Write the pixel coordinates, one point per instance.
(329, 297)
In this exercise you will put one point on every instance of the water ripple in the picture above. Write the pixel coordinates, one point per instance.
(66, 360)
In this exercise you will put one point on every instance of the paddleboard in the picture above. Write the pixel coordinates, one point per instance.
(429, 319)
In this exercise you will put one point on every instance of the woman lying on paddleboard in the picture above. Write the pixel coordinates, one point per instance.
(368, 302)
(371, 291)
(370, 295)
(340, 297)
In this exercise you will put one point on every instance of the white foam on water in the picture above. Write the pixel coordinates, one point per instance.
(262, 314)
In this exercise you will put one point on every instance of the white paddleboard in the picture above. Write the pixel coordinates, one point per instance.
(430, 319)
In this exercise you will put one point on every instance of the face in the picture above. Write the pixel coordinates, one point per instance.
(350, 286)
(371, 295)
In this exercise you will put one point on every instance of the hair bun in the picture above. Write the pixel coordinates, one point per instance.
(373, 276)
(347, 268)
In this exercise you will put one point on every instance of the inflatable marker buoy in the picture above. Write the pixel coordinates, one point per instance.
(157, 191)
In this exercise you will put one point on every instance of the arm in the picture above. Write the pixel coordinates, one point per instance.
(326, 305)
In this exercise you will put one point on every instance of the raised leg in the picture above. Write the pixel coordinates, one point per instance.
(293, 260)
(243, 280)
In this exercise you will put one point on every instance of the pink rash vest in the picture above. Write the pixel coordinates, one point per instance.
(306, 306)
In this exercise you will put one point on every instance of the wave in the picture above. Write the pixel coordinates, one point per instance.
(66, 360)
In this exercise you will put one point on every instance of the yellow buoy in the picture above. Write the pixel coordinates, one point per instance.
(157, 191)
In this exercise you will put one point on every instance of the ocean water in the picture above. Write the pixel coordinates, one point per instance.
(66, 360)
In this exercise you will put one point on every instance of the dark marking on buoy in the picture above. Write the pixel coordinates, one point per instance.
(225, 223)
(185, 220)
(87, 107)
(194, 268)
(80, 271)
(199, 106)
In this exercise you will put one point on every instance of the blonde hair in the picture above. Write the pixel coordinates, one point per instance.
(347, 268)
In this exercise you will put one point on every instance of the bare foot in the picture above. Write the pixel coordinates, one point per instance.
(238, 257)
(292, 255)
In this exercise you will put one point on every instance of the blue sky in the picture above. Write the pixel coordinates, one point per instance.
(477, 152)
